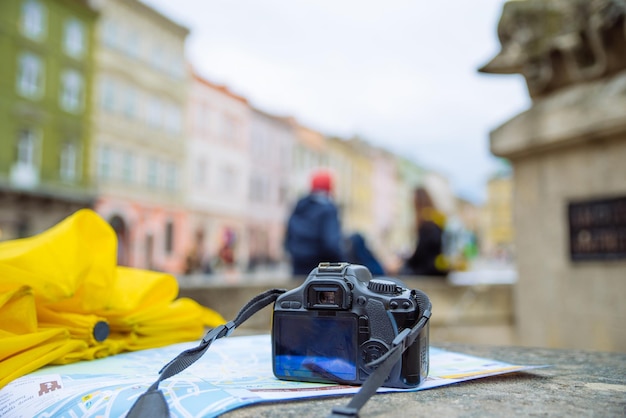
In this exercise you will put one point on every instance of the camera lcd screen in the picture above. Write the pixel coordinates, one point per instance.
(315, 348)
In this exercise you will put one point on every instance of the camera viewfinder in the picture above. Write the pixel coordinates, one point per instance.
(327, 296)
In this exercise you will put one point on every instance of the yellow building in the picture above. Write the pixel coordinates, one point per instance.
(309, 153)
(498, 233)
(139, 138)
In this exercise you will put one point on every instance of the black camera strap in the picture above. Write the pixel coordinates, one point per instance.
(152, 403)
(383, 365)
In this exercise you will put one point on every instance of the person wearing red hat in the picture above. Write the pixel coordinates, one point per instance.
(322, 180)
(313, 229)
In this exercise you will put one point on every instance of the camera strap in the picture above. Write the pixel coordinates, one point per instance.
(152, 403)
(383, 365)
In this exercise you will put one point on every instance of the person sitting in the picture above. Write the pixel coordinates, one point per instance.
(427, 258)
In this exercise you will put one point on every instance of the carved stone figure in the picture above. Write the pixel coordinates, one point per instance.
(556, 43)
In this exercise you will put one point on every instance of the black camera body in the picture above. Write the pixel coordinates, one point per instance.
(339, 320)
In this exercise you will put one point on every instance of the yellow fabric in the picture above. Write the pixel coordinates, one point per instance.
(17, 311)
(70, 266)
(30, 360)
(80, 326)
(56, 286)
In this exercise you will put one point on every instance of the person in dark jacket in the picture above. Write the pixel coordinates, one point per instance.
(313, 229)
(428, 258)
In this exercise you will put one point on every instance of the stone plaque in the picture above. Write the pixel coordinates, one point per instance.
(597, 229)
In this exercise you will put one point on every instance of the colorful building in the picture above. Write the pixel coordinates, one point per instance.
(139, 145)
(219, 177)
(498, 233)
(45, 105)
(358, 212)
(385, 209)
(271, 148)
(310, 152)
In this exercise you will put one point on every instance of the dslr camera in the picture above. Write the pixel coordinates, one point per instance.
(341, 319)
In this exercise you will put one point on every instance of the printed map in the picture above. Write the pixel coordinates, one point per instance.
(234, 372)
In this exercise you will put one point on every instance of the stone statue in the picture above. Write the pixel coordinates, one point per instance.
(556, 43)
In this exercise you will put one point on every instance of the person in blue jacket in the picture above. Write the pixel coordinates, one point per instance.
(313, 230)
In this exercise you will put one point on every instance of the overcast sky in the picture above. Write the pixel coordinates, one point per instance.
(401, 74)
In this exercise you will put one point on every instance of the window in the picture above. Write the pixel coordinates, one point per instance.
(107, 94)
(156, 57)
(74, 38)
(228, 179)
(130, 102)
(169, 237)
(176, 68)
(105, 159)
(200, 175)
(109, 33)
(202, 117)
(25, 171)
(128, 167)
(173, 118)
(71, 98)
(152, 179)
(260, 146)
(26, 144)
(171, 177)
(69, 162)
(30, 76)
(33, 19)
(259, 189)
(132, 44)
(227, 126)
(154, 112)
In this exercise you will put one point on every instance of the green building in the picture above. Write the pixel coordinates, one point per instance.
(46, 71)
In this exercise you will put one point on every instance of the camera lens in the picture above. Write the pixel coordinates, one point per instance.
(326, 298)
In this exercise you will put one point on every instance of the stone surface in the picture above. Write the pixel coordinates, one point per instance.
(577, 384)
(559, 43)
(582, 114)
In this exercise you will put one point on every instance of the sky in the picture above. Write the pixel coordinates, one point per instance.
(401, 74)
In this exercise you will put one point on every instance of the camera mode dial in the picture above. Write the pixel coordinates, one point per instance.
(382, 286)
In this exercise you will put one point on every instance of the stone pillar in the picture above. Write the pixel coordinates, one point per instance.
(568, 153)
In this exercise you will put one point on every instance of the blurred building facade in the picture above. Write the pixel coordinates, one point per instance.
(189, 174)
(498, 232)
(271, 149)
(385, 206)
(219, 161)
(569, 177)
(45, 80)
(358, 208)
(139, 149)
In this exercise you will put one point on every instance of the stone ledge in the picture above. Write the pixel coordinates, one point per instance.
(461, 313)
(579, 113)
